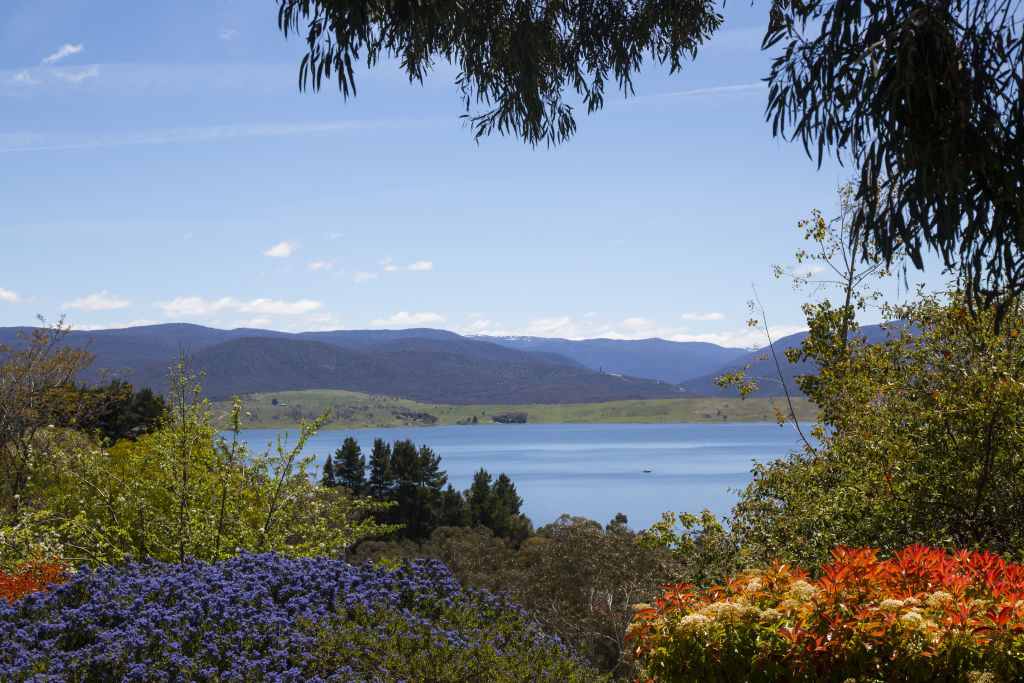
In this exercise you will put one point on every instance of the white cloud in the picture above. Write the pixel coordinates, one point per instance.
(228, 34)
(702, 316)
(272, 307)
(34, 142)
(476, 315)
(364, 276)
(557, 327)
(324, 318)
(628, 328)
(64, 51)
(281, 249)
(9, 296)
(406, 319)
(563, 327)
(78, 76)
(194, 306)
(24, 77)
(103, 301)
(116, 325)
(324, 322)
(257, 322)
(746, 338)
(390, 266)
(332, 235)
(191, 306)
(321, 265)
(682, 95)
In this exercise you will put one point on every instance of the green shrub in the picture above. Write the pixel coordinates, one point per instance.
(182, 491)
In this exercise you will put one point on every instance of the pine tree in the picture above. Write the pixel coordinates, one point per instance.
(328, 478)
(431, 474)
(408, 494)
(496, 506)
(350, 466)
(479, 501)
(381, 484)
(505, 494)
(453, 511)
(419, 489)
(405, 464)
(509, 523)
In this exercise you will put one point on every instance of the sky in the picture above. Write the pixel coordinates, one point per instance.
(160, 164)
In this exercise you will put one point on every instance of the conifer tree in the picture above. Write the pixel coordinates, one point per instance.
(505, 495)
(510, 523)
(479, 501)
(431, 474)
(350, 466)
(328, 478)
(381, 484)
(405, 464)
(496, 506)
(453, 511)
(418, 491)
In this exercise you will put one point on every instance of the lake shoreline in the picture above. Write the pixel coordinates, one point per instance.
(351, 410)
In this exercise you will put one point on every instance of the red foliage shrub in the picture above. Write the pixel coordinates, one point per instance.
(928, 614)
(35, 575)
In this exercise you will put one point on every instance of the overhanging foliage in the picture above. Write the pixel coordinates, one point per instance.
(515, 57)
(925, 98)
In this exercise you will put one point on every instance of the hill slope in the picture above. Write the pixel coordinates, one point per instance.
(134, 348)
(432, 365)
(667, 361)
(259, 365)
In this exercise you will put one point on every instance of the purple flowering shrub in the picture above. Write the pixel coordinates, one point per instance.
(273, 618)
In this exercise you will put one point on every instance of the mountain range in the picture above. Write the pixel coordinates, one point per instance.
(425, 364)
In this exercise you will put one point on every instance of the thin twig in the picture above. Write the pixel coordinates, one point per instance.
(782, 380)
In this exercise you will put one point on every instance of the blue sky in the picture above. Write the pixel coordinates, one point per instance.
(160, 164)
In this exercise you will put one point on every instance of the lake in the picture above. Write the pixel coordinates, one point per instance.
(591, 470)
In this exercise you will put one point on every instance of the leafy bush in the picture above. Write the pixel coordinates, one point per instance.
(35, 575)
(273, 618)
(702, 548)
(577, 578)
(920, 438)
(928, 614)
(581, 580)
(37, 391)
(181, 491)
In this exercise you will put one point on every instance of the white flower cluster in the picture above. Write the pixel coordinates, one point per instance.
(801, 590)
(938, 599)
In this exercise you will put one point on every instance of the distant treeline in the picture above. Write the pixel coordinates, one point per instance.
(517, 417)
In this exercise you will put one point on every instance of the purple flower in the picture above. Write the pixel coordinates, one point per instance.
(271, 618)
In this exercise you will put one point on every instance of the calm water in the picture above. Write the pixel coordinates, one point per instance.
(592, 470)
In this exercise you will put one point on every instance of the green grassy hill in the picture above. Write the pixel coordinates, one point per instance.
(351, 410)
